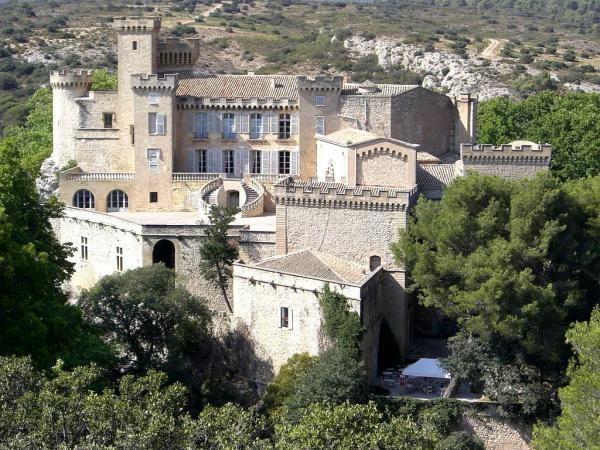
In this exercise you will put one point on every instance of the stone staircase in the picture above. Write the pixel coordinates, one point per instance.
(251, 194)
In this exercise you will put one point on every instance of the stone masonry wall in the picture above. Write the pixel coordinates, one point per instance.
(497, 433)
(506, 169)
(381, 170)
(352, 234)
(371, 113)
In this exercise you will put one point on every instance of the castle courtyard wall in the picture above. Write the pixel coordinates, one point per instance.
(370, 113)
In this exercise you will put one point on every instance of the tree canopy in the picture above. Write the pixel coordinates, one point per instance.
(570, 123)
(578, 425)
(513, 263)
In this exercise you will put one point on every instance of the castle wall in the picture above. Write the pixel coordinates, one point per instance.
(104, 234)
(371, 113)
(353, 234)
(253, 285)
(423, 117)
(505, 169)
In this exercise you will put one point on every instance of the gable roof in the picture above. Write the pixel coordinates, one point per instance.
(313, 264)
(435, 176)
(239, 86)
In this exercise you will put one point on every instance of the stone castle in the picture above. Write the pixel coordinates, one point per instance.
(323, 170)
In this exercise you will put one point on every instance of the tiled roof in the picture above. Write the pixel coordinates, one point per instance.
(314, 264)
(350, 136)
(427, 157)
(240, 86)
(434, 176)
(382, 89)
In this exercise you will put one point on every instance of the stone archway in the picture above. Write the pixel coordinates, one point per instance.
(164, 252)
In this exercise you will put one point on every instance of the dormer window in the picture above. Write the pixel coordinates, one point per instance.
(134, 45)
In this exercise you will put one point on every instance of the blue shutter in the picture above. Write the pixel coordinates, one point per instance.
(294, 123)
(264, 162)
(293, 163)
(274, 123)
(274, 161)
(265, 123)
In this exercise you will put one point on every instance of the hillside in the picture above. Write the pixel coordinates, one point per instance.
(515, 49)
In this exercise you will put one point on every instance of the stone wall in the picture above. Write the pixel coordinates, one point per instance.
(423, 117)
(382, 170)
(506, 169)
(370, 113)
(353, 234)
(497, 433)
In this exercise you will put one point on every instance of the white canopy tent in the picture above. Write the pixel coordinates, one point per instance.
(426, 368)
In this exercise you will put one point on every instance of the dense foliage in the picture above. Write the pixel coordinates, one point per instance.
(513, 263)
(570, 123)
(103, 80)
(578, 426)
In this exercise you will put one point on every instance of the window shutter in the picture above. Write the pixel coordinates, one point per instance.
(152, 123)
(219, 161)
(190, 162)
(265, 123)
(238, 123)
(210, 161)
(290, 318)
(211, 122)
(274, 161)
(274, 123)
(264, 162)
(218, 122)
(161, 123)
(245, 162)
(293, 163)
(191, 122)
(294, 123)
(245, 123)
(237, 164)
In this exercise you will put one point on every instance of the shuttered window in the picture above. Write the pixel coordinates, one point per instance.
(157, 123)
(153, 157)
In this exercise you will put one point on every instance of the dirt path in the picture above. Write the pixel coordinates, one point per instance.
(209, 11)
(491, 51)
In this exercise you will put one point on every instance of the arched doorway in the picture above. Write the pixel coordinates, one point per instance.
(164, 252)
(388, 355)
(233, 199)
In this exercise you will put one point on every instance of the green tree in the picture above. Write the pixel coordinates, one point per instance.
(349, 426)
(151, 321)
(33, 141)
(514, 263)
(578, 425)
(217, 251)
(36, 317)
(103, 80)
(570, 123)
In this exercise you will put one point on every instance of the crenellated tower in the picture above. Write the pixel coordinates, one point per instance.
(67, 86)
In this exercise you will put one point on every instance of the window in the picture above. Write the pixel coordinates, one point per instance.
(228, 126)
(117, 201)
(153, 197)
(120, 259)
(320, 100)
(320, 124)
(285, 126)
(202, 166)
(134, 45)
(107, 120)
(284, 162)
(153, 157)
(284, 317)
(157, 123)
(83, 199)
(255, 161)
(132, 134)
(256, 126)
(84, 248)
(228, 160)
(153, 98)
(201, 126)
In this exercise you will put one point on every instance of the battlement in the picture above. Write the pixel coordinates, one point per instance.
(291, 191)
(71, 78)
(320, 82)
(174, 52)
(513, 151)
(136, 24)
(143, 81)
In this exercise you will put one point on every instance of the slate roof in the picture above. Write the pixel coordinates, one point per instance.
(382, 89)
(314, 264)
(434, 176)
(240, 86)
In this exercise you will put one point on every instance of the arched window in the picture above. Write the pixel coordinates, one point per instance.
(374, 262)
(117, 201)
(83, 199)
